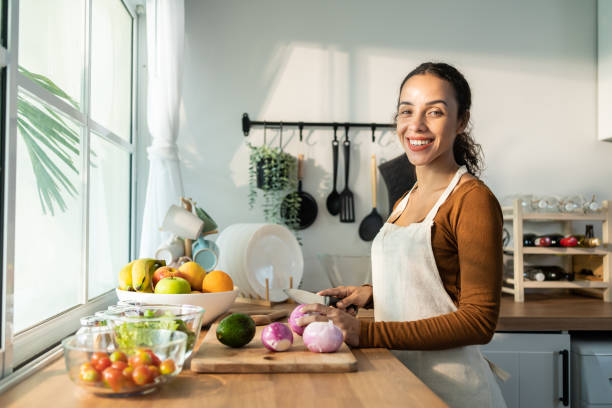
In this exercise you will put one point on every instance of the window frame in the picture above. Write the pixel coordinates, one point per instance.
(17, 349)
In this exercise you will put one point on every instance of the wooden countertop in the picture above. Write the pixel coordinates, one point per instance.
(380, 381)
(555, 312)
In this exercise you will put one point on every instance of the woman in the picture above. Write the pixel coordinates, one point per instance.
(437, 261)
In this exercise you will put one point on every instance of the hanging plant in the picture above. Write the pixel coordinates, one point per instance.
(272, 174)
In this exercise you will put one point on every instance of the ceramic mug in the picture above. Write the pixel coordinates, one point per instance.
(205, 253)
(182, 223)
(171, 250)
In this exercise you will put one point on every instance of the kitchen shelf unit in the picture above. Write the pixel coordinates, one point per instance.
(518, 216)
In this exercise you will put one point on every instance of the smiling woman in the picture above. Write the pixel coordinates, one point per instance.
(437, 262)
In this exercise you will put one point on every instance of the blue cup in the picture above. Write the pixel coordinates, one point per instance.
(205, 253)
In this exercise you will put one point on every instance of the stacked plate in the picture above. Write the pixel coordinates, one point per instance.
(252, 253)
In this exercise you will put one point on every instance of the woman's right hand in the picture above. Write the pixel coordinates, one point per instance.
(351, 295)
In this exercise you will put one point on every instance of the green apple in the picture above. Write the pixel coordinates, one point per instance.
(172, 285)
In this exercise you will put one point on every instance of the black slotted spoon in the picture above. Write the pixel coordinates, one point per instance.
(347, 202)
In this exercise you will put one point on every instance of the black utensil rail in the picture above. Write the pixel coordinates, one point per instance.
(247, 124)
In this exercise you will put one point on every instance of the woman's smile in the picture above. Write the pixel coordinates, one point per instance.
(419, 143)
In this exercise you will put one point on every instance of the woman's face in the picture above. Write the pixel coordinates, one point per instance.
(427, 122)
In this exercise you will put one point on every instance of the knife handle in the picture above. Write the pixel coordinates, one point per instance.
(333, 300)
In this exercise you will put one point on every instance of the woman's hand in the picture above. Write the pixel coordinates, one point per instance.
(351, 295)
(349, 325)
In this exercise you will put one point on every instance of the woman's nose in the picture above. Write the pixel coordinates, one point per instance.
(417, 124)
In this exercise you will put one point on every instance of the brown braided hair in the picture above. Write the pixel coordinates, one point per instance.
(467, 152)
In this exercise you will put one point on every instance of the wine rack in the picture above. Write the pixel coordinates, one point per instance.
(518, 216)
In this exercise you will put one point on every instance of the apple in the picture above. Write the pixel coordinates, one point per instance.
(172, 285)
(166, 272)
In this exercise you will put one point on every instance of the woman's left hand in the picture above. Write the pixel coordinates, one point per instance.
(349, 325)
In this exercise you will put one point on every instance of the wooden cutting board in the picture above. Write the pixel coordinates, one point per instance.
(214, 357)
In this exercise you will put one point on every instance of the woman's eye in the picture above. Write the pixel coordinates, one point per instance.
(435, 113)
(405, 112)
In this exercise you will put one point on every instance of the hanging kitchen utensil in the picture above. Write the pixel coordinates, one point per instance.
(372, 223)
(333, 200)
(347, 203)
(399, 175)
(307, 212)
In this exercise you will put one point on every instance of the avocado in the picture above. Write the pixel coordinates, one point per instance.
(236, 330)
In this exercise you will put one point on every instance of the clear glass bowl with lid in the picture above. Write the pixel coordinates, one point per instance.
(183, 318)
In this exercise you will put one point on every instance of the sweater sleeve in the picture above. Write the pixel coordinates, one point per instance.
(478, 232)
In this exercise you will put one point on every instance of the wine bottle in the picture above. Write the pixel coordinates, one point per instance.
(569, 241)
(528, 240)
(542, 241)
(555, 240)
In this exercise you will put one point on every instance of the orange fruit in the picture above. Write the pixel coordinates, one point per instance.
(217, 281)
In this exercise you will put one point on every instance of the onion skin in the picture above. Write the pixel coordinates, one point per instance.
(296, 314)
(277, 337)
(322, 337)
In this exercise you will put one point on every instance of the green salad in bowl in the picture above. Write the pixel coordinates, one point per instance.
(128, 320)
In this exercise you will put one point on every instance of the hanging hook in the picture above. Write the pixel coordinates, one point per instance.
(373, 126)
(280, 136)
(335, 130)
(346, 130)
(301, 126)
(265, 128)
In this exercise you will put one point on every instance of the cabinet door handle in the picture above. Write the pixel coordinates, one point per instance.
(565, 397)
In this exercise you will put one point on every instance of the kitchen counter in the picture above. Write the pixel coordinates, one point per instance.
(381, 380)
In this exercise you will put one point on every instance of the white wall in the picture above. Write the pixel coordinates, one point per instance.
(531, 65)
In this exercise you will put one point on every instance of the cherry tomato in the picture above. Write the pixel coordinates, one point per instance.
(142, 358)
(156, 360)
(103, 363)
(167, 367)
(113, 377)
(86, 366)
(119, 365)
(117, 356)
(97, 356)
(89, 375)
(154, 371)
(127, 372)
(141, 375)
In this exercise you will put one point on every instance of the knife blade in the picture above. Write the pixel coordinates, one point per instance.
(305, 297)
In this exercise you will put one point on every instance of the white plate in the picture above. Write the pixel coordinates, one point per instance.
(231, 242)
(214, 304)
(272, 252)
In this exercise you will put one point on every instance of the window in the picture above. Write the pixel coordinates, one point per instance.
(68, 183)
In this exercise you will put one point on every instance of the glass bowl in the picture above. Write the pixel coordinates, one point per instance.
(183, 318)
(142, 360)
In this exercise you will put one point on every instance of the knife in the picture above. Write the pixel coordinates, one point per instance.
(305, 297)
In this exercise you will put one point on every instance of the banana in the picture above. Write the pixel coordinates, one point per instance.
(142, 273)
(125, 277)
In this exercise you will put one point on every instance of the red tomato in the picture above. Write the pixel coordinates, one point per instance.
(154, 370)
(119, 365)
(141, 375)
(89, 375)
(113, 377)
(167, 367)
(132, 360)
(97, 356)
(118, 356)
(127, 372)
(142, 358)
(102, 364)
(156, 360)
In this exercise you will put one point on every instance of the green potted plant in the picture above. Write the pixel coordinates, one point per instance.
(273, 173)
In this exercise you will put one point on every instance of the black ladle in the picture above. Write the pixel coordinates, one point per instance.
(372, 223)
(333, 200)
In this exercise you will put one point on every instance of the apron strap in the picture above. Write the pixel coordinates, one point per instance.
(451, 186)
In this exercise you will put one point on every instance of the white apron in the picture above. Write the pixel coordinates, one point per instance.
(407, 286)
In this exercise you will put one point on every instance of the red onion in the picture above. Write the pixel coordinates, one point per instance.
(323, 337)
(277, 337)
(296, 314)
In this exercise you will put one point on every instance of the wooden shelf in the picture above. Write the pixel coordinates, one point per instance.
(562, 251)
(565, 284)
(546, 216)
(517, 285)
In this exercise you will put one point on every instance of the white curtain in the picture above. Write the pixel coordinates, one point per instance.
(165, 39)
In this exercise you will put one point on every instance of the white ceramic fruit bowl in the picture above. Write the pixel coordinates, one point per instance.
(214, 304)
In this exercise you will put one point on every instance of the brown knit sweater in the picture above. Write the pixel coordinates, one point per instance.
(467, 246)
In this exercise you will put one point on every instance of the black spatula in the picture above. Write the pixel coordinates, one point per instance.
(372, 223)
